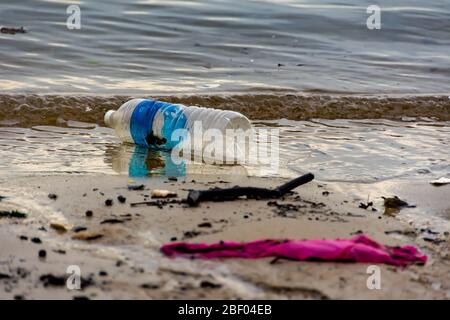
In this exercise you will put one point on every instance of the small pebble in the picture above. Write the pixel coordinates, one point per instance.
(42, 253)
(109, 202)
(205, 225)
(36, 240)
(209, 285)
(89, 213)
(121, 199)
(78, 229)
(149, 286)
(52, 196)
(103, 273)
(136, 188)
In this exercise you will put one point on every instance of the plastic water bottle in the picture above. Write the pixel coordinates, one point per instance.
(151, 123)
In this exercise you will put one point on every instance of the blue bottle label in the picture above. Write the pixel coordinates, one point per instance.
(141, 126)
(174, 119)
(142, 120)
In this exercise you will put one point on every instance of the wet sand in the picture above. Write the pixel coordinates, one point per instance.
(26, 110)
(126, 263)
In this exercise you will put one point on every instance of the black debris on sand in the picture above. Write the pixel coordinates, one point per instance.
(12, 30)
(112, 221)
(13, 214)
(229, 194)
(60, 281)
(136, 187)
(53, 196)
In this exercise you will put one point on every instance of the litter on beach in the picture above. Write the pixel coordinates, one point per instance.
(12, 30)
(217, 194)
(157, 193)
(357, 249)
(12, 214)
(244, 151)
(440, 182)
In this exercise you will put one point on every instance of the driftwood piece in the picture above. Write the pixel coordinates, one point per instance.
(197, 196)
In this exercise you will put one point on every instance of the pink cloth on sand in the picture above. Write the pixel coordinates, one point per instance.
(357, 249)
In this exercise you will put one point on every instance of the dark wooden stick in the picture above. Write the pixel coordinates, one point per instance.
(197, 196)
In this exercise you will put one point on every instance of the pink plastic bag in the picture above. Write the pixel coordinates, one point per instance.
(358, 249)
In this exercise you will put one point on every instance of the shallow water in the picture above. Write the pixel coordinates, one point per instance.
(172, 47)
(363, 159)
(359, 151)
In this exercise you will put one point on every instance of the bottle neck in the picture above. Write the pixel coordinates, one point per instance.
(109, 118)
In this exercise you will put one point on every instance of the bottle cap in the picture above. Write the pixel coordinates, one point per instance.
(108, 117)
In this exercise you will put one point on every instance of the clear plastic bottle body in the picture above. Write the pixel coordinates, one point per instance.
(120, 120)
(140, 118)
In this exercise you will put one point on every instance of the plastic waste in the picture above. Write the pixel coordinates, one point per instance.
(441, 181)
(357, 249)
(151, 123)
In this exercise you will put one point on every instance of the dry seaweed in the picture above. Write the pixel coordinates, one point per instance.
(157, 203)
(60, 281)
(13, 214)
(12, 30)
(136, 187)
(112, 221)
(394, 204)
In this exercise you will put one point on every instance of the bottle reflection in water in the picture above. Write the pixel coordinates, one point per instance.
(139, 162)
(146, 162)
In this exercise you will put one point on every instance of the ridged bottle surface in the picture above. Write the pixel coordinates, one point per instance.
(151, 123)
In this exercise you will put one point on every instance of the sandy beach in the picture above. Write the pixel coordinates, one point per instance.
(94, 95)
(125, 263)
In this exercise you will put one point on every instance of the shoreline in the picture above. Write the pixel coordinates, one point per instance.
(26, 110)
